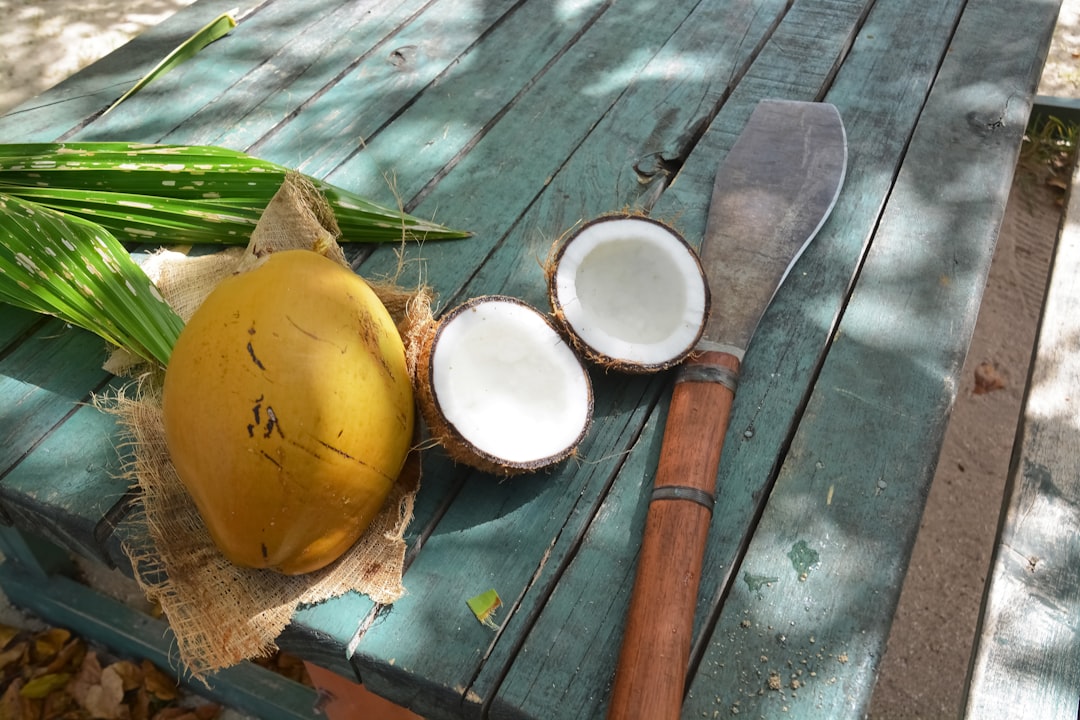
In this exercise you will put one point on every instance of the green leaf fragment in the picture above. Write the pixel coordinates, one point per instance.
(484, 606)
(217, 28)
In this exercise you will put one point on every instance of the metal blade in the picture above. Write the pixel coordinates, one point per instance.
(772, 193)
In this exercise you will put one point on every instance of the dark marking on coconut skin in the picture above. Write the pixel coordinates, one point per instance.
(271, 459)
(254, 358)
(265, 550)
(314, 452)
(272, 423)
(339, 451)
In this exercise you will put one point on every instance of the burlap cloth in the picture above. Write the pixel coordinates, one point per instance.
(220, 613)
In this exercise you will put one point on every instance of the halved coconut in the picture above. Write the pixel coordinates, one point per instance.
(501, 389)
(630, 292)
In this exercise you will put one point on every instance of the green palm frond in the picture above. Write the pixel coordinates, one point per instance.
(171, 194)
(75, 270)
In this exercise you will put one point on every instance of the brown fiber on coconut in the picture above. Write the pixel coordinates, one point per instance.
(500, 389)
(629, 292)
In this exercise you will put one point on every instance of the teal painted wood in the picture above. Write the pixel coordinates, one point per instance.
(161, 106)
(345, 119)
(66, 603)
(567, 658)
(805, 624)
(1027, 651)
(432, 133)
(685, 203)
(36, 556)
(518, 179)
(41, 381)
(513, 161)
(783, 360)
(549, 557)
(424, 651)
(63, 109)
(346, 40)
(14, 323)
(771, 389)
(72, 481)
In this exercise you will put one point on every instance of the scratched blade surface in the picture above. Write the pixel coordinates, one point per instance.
(773, 191)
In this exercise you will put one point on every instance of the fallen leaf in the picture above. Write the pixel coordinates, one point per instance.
(48, 643)
(11, 700)
(158, 683)
(207, 711)
(89, 676)
(69, 658)
(106, 700)
(987, 379)
(140, 705)
(15, 653)
(44, 685)
(175, 713)
(131, 675)
(7, 634)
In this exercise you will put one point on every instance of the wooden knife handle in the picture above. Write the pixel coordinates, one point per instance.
(655, 653)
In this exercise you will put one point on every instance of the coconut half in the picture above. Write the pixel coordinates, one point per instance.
(500, 389)
(630, 292)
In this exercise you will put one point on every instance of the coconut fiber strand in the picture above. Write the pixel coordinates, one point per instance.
(221, 613)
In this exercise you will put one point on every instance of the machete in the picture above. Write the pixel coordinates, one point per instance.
(772, 193)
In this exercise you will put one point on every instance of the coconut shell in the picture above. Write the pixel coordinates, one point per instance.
(574, 337)
(457, 446)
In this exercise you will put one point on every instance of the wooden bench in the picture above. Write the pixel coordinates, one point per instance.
(1027, 650)
(517, 120)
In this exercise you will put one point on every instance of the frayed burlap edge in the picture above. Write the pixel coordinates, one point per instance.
(221, 613)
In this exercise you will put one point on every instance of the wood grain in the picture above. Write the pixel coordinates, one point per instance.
(1026, 652)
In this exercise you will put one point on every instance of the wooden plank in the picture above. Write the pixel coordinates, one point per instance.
(804, 627)
(399, 161)
(1027, 652)
(793, 337)
(71, 481)
(337, 46)
(424, 651)
(63, 109)
(537, 530)
(14, 324)
(161, 106)
(394, 74)
(41, 380)
(772, 387)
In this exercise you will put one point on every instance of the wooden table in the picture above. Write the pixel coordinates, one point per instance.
(516, 120)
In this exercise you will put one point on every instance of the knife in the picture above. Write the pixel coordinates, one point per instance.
(772, 193)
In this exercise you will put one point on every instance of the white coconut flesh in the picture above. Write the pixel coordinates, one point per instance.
(509, 384)
(632, 291)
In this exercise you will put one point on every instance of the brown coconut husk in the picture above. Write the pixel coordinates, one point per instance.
(220, 613)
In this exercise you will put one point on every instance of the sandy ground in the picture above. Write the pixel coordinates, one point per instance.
(923, 671)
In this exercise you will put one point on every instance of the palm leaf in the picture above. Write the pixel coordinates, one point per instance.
(76, 270)
(200, 194)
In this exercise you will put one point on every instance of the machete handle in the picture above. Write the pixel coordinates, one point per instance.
(651, 672)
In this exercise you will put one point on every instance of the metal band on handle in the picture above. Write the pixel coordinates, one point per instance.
(699, 372)
(682, 492)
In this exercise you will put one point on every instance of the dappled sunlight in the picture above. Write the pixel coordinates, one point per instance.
(44, 42)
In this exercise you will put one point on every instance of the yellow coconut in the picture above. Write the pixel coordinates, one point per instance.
(289, 411)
